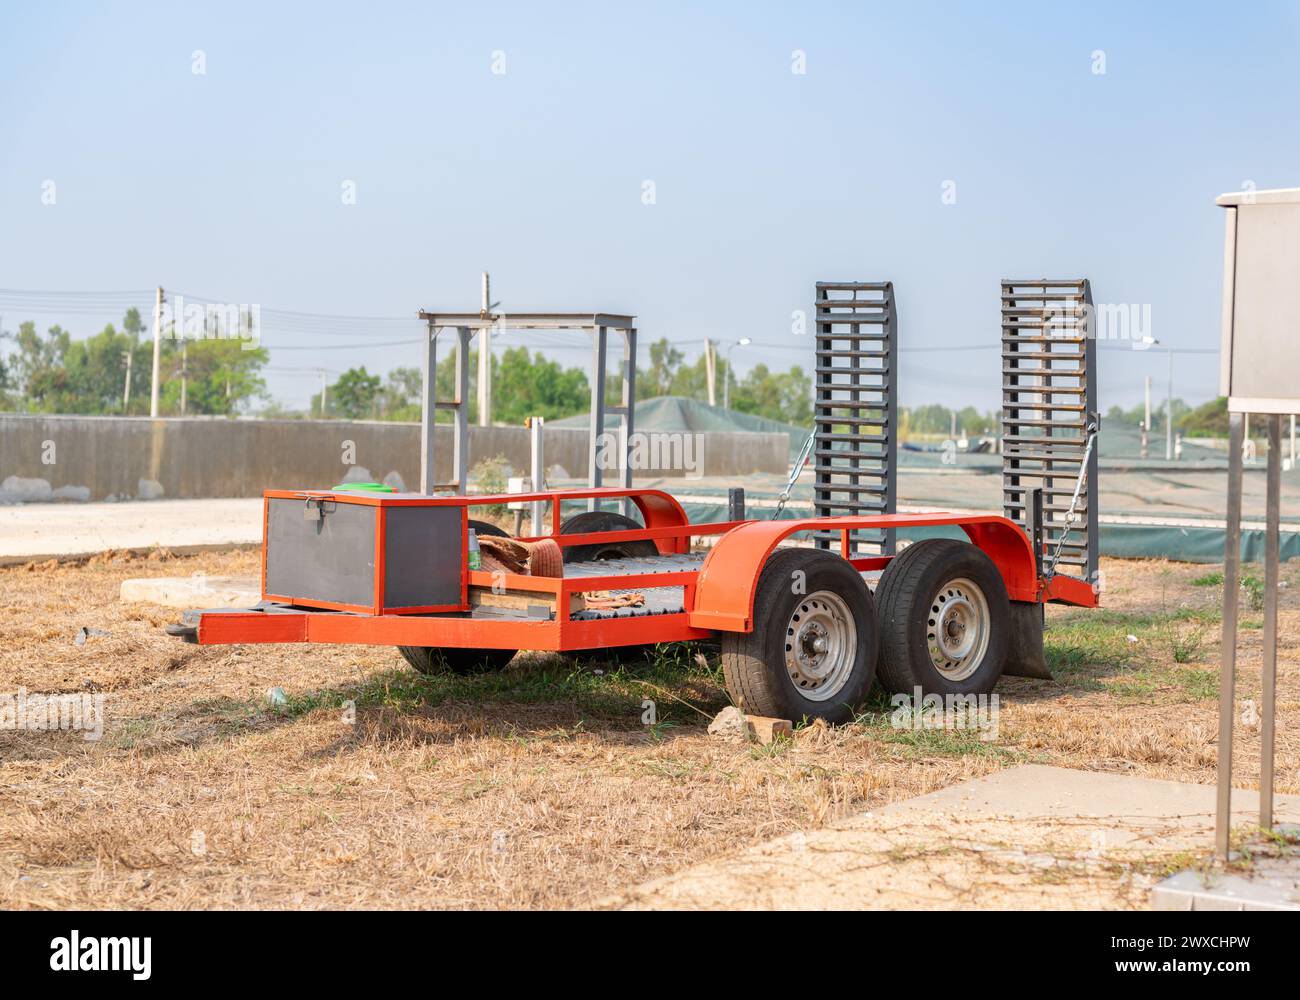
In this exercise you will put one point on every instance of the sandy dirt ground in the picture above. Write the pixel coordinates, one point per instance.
(40, 530)
(1027, 837)
(540, 786)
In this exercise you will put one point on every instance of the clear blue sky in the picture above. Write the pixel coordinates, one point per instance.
(228, 184)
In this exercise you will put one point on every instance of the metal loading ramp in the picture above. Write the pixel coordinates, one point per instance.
(855, 408)
(1050, 416)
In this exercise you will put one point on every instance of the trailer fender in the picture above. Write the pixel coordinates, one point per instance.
(724, 591)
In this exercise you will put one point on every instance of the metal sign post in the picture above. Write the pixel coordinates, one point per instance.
(1261, 350)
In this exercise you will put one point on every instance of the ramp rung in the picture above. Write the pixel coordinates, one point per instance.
(871, 355)
(849, 453)
(855, 286)
(823, 418)
(826, 485)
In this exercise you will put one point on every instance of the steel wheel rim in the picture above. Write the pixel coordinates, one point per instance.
(957, 629)
(821, 645)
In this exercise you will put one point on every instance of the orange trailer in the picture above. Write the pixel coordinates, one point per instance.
(804, 631)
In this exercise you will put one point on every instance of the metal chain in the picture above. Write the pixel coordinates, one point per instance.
(1072, 515)
(797, 468)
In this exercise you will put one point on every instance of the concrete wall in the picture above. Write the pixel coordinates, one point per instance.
(95, 458)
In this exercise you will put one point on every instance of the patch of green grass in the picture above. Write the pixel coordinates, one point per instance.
(1076, 643)
(1081, 648)
(1214, 579)
(127, 733)
(1186, 638)
(1139, 684)
(947, 743)
(613, 692)
(1196, 684)
(1200, 684)
(766, 751)
(1254, 588)
(877, 717)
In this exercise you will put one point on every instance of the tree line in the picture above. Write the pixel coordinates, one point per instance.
(109, 373)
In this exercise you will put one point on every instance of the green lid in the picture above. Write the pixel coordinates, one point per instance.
(364, 488)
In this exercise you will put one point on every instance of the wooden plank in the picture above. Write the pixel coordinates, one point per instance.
(520, 600)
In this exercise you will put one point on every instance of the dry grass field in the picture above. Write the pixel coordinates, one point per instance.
(536, 787)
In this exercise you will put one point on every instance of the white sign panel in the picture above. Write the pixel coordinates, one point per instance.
(1260, 363)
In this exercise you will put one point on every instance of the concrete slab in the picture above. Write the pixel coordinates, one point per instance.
(1269, 880)
(1273, 884)
(60, 531)
(192, 591)
(1030, 837)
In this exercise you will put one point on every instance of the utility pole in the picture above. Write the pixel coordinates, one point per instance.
(126, 389)
(726, 375)
(1169, 409)
(1146, 420)
(184, 375)
(157, 351)
(485, 358)
(711, 371)
(323, 390)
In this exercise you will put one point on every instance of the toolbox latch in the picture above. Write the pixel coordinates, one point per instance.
(316, 508)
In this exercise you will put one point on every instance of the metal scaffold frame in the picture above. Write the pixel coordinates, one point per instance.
(466, 325)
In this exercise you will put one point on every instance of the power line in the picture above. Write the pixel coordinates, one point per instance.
(298, 323)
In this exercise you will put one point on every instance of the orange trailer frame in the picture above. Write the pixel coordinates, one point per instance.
(718, 597)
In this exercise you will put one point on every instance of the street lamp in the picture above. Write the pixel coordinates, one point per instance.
(726, 383)
(1169, 399)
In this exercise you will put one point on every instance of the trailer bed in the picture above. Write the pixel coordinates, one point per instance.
(658, 600)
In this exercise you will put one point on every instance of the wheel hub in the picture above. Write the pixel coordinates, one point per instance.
(958, 629)
(821, 645)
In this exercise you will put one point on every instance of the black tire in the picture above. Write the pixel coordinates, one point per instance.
(755, 663)
(431, 660)
(911, 599)
(488, 528)
(593, 521)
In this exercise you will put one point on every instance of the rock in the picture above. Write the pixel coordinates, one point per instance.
(85, 633)
(729, 722)
(395, 480)
(149, 489)
(276, 698)
(766, 730)
(16, 489)
(358, 474)
(81, 494)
